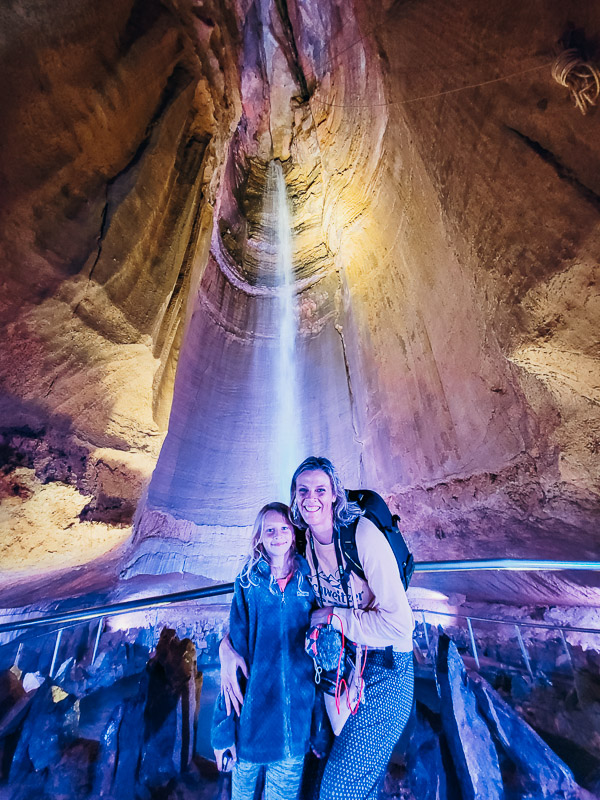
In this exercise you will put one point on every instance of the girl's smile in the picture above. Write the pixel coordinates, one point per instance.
(277, 536)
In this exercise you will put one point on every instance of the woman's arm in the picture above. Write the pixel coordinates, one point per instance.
(231, 661)
(388, 619)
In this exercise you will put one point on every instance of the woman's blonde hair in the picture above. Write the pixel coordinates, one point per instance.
(257, 550)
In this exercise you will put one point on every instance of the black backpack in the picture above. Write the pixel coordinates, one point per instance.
(375, 509)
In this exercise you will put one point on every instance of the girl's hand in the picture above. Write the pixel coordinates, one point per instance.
(231, 660)
(321, 615)
(219, 756)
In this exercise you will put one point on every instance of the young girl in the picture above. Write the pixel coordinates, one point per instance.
(269, 616)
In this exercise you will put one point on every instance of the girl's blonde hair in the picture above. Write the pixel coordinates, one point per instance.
(257, 550)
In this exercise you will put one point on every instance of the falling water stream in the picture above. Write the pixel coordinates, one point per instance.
(288, 412)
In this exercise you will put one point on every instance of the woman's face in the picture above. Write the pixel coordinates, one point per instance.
(314, 496)
(277, 534)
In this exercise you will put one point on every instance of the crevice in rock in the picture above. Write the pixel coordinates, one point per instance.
(142, 18)
(563, 172)
(115, 193)
(291, 51)
(101, 235)
(352, 399)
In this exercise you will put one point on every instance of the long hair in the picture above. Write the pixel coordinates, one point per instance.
(344, 512)
(257, 550)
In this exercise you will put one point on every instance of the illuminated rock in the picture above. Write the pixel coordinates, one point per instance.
(445, 239)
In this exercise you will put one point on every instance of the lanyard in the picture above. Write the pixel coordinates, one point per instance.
(338, 556)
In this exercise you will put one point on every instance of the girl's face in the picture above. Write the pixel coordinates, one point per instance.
(277, 535)
(314, 496)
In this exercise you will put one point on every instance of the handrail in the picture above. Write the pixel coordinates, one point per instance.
(506, 564)
(114, 609)
(520, 622)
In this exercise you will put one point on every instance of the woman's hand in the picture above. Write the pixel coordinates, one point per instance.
(321, 615)
(219, 757)
(231, 660)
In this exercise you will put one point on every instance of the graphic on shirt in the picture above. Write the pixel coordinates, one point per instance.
(332, 590)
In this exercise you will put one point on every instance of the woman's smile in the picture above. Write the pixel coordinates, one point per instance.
(314, 496)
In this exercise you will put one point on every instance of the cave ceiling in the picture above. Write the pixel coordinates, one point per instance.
(443, 194)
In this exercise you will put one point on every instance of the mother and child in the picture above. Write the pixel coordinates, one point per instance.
(278, 596)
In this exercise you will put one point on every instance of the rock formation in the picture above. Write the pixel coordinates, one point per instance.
(443, 193)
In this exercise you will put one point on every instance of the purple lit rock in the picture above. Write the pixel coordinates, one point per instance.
(425, 768)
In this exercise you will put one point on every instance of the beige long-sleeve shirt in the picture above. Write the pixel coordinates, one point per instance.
(379, 613)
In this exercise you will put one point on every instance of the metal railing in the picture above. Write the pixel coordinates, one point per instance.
(114, 609)
(507, 564)
(560, 630)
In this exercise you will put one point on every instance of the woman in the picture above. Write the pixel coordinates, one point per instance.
(374, 613)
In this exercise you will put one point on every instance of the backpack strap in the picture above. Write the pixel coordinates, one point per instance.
(345, 543)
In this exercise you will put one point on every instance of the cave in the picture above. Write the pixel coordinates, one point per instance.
(235, 234)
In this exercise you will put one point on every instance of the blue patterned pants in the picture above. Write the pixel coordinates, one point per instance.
(282, 779)
(356, 765)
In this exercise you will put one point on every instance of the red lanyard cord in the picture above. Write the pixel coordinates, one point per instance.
(340, 683)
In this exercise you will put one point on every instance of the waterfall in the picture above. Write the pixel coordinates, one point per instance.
(288, 408)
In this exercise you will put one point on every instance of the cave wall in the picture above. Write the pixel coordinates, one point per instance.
(445, 235)
(466, 226)
(115, 118)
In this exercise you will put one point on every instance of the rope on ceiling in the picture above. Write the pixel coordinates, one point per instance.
(579, 76)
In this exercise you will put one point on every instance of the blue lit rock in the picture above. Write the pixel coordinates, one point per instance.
(470, 742)
(72, 777)
(120, 747)
(169, 718)
(51, 725)
(425, 768)
(545, 773)
(13, 701)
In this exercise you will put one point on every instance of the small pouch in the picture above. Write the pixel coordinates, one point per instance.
(324, 644)
(338, 671)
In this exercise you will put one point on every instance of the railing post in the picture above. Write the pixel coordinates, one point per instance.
(426, 635)
(473, 645)
(567, 651)
(425, 630)
(97, 641)
(18, 656)
(524, 651)
(55, 654)
(570, 658)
